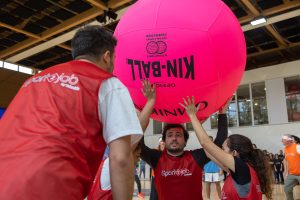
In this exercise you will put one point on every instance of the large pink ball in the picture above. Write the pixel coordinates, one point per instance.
(190, 47)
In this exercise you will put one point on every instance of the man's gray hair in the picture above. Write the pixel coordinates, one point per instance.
(287, 137)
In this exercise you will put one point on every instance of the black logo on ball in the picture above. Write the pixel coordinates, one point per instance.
(156, 47)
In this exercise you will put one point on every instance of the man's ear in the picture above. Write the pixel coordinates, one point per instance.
(106, 56)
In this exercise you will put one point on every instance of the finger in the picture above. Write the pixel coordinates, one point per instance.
(185, 102)
(193, 100)
(153, 87)
(182, 105)
(189, 100)
(198, 107)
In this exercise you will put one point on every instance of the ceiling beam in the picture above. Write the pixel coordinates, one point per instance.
(19, 30)
(277, 36)
(98, 4)
(117, 3)
(251, 7)
(269, 28)
(273, 50)
(29, 34)
(70, 23)
(271, 11)
(286, 6)
(53, 42)
(274, 19)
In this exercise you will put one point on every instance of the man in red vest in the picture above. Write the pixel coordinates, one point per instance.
(178, 172)
(291, 165)
(55, 130)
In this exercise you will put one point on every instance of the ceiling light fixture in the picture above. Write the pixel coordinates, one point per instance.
(258, 21)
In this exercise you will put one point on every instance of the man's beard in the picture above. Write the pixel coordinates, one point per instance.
(175, 151)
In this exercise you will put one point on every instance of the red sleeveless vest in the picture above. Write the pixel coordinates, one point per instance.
(96, 192)
(50, 136)
(178, 178)
(229, 192)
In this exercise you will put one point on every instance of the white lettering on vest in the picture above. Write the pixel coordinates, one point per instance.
(67, 81)
(176, 172)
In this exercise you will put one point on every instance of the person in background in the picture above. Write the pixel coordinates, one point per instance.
(137, 179)
(271, 163)
(278, 169)
(291, 165)
(281, 156)
(249, 176)
(55, 130)
(212, 174)
(142, 166)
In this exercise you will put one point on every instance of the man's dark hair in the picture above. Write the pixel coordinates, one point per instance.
(169, 126)
(92, 41)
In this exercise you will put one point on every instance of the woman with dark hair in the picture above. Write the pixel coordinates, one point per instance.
(296, 139)
(249, 171)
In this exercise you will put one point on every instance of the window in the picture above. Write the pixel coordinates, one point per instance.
(1, 63)
(292, 95)
(244, 106)
(189, 127)
(260, 110)
(157, 127)
(214, 120)
(232, 113)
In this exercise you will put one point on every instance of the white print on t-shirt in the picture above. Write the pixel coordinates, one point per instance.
(67, 81)
(176, 172)
(258, 189)
(289, 154)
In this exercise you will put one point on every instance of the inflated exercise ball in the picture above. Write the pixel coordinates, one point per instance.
(191, 47)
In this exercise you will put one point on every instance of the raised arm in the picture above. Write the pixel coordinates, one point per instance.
(222, 157)
(222, 133)
(149, 92)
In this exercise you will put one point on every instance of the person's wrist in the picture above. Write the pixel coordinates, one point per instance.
(192, 116)
(151, 100)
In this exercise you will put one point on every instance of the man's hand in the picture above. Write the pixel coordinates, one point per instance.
(148, 90)
(189, 105)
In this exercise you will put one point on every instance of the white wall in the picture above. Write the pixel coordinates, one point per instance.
(264, 136)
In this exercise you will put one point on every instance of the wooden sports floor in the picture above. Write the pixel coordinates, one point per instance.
(278, 192)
